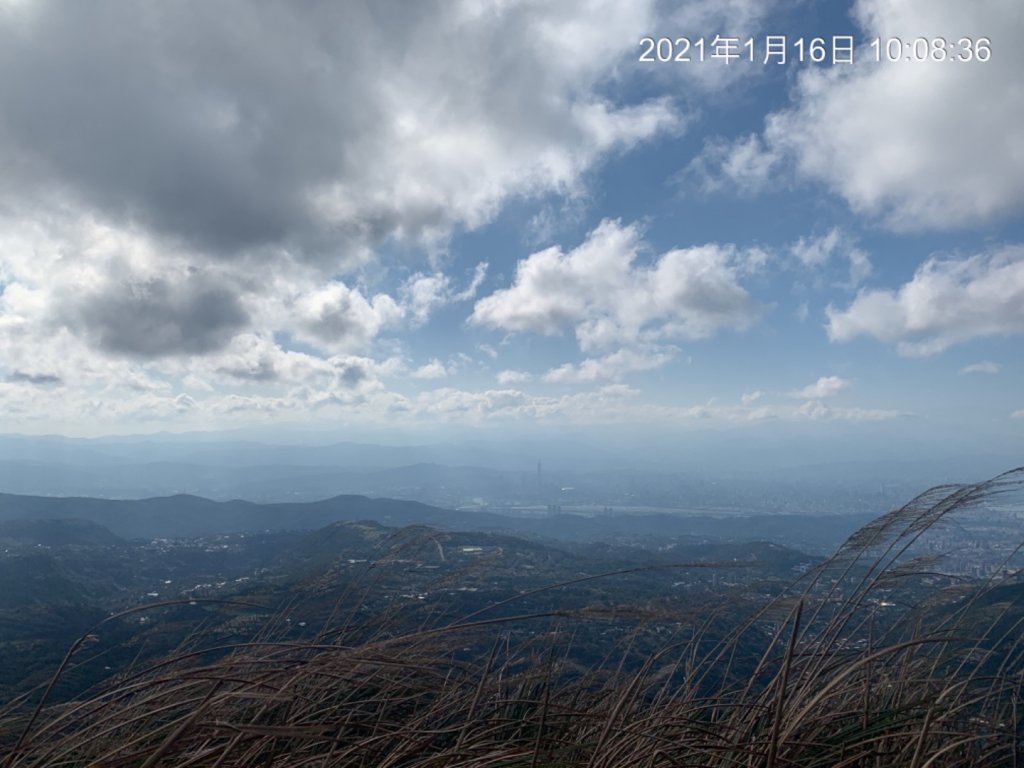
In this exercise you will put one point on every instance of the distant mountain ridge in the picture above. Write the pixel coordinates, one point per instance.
(183, 515)
(261, 483)
(190, 516)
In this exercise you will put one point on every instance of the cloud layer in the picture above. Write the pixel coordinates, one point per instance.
(947, 302)
(949, 151)
(238, 127)
(216, 213)
(194, 195)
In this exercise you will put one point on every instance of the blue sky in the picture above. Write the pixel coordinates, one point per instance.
(489, 216)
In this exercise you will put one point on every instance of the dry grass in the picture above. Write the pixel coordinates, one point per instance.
(861, 668)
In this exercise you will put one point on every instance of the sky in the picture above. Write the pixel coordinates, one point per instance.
(491, 215)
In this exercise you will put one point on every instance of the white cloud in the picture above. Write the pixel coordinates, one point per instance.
(467, 293)
(947, 302)
(598, 291)
(818, 252)
(826, 386)
(422, 294)
(608, 404)
(982, 367)
(920, 145)
(619, 403)
(813, 409)
(818, 411)
(1017, 414)
(544, 226)
(321, 390)
(860, 266)
(744, 165)
(449, 402)
(611, 366)
(749, 398)
(512, 377)
(256, 361)
(337, 318)
(435, 369)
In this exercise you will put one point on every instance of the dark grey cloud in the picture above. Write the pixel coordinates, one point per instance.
(206, 122)
(157, 317)
(715, 294)
(353, 374)
(39, 379)
(338, 322)
(316, 127)
(262, 371)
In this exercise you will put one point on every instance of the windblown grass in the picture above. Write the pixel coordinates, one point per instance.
(873, 659)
